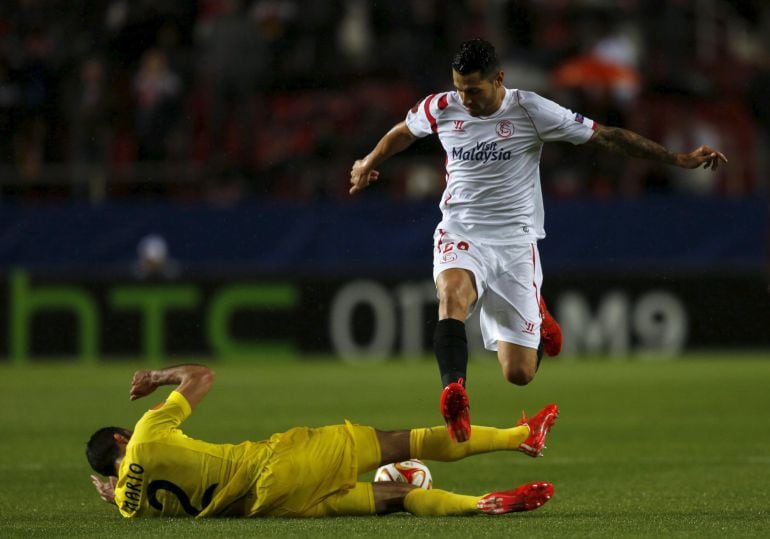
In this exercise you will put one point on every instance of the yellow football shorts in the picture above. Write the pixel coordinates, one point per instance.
(313, 472)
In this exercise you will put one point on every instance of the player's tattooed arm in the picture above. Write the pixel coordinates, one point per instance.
(193, 381)
(633, 144)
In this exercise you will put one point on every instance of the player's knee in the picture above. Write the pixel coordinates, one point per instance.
(518, 364)
(454, 305)
(518, 373)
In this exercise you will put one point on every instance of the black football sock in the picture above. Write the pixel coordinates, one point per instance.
(451, 347)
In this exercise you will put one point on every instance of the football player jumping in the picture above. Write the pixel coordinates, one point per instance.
(485, 247)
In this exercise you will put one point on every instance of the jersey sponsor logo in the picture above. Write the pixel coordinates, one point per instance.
(459, 125)
(485, 152)
(448, 257)
(504, 128)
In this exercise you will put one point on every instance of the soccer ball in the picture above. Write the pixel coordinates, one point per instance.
(409, 471)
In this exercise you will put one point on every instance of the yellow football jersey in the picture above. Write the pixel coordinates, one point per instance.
(166, 473)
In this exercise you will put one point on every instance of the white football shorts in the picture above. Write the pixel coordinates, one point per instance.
(508, 280)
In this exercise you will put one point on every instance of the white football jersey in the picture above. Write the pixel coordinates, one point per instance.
(493, 162)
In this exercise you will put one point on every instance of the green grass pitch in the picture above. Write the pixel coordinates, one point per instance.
(643, 448)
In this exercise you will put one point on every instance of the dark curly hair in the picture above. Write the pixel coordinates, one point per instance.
(102, 450)
(476, 55)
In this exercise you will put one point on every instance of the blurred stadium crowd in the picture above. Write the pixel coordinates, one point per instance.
(225, 99)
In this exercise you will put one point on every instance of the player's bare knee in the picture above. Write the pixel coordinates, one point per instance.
(519, 375)
(454, 303)
(518, 363)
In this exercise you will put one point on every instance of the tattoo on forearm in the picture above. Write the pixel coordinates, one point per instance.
(634, 145)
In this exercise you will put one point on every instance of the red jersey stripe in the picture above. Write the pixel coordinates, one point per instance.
(534, 266)
(431, 118)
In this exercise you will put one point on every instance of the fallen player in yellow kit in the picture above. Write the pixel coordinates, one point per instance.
(156, 470)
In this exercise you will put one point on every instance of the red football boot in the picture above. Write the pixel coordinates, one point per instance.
(524, 498)
(550, 331)
(454, 408)
(539, 425)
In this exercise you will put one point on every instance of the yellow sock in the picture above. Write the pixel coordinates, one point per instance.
(433, 443)
(437, 502)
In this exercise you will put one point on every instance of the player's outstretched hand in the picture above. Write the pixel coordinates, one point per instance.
(361, 175)
(704, 155)
(105, 489)
(141, 385)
